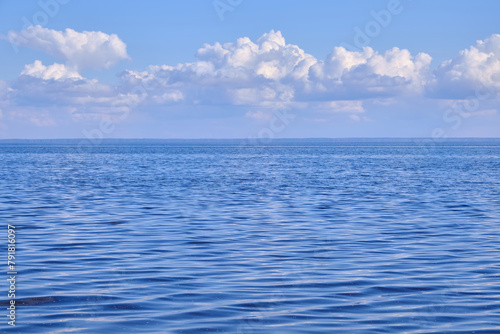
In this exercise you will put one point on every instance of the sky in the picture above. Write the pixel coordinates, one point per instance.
(249, 69)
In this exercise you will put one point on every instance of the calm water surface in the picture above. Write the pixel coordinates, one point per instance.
(216, 237)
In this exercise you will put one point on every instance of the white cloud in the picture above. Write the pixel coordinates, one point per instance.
(262, 75)
(273, 74)
(474, 71)
(54, 71)
(240, 73)
(368, 74)
(87, 49)
(269, 58)
(61, 86)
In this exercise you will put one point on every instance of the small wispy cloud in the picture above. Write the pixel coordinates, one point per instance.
(87, 49)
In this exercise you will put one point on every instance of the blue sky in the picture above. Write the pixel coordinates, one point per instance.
(241, 68)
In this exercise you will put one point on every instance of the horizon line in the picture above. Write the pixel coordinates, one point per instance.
(251, 139)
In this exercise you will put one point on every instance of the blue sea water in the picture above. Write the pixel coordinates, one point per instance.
(292, 236)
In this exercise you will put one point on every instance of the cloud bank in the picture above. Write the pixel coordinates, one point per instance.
(272, 73)
(264, 74)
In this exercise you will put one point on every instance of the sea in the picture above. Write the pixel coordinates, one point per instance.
(239, 236)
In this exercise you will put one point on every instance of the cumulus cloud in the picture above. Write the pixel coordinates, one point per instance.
(270, 58)
(259, 76)
(273, 74)
(240, 73)
(474, 71)
(87, 49)
(368, 74)
(61, 85)
(54, 71)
